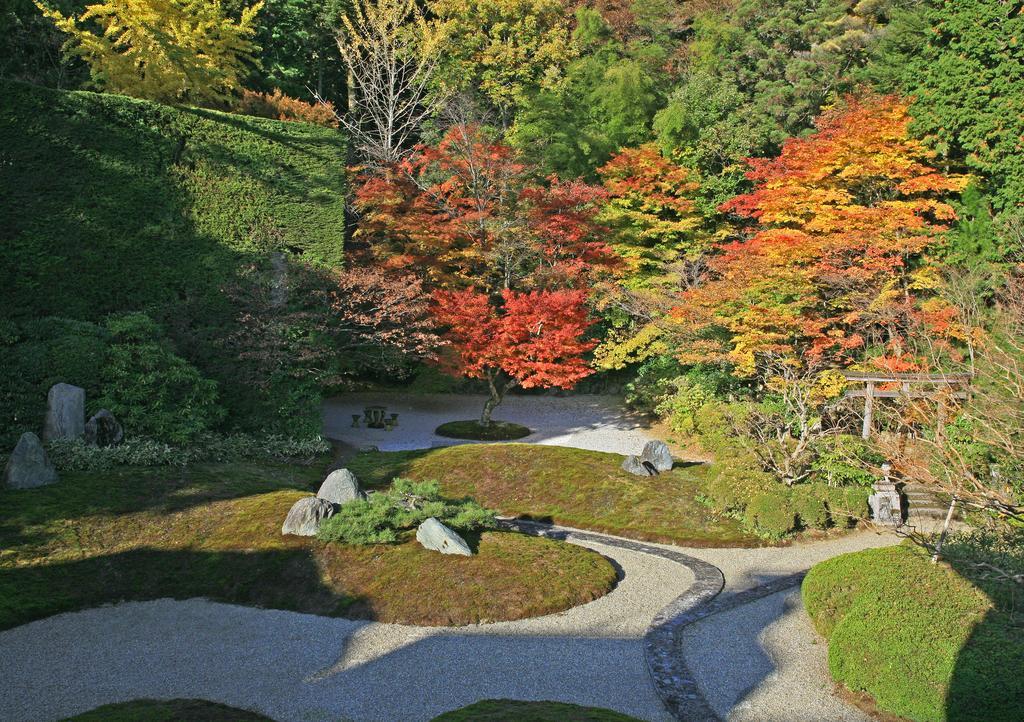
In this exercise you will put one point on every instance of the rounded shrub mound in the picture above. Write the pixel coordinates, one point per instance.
(508, 710)
(475, 431)
(171, 710)
(920, 639)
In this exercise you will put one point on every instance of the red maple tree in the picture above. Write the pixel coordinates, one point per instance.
(535, 339)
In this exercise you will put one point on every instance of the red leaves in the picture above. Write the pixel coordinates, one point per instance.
(466, 212)
(536, 338)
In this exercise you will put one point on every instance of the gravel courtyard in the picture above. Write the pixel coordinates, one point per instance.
(758, 661)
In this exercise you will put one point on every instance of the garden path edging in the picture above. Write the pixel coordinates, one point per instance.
(673, 681)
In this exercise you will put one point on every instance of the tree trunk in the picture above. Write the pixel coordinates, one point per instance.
(498, 392)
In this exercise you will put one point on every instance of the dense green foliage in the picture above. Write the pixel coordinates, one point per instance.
(383, 516)
(961, 61)
(114, 205)
(925, 641)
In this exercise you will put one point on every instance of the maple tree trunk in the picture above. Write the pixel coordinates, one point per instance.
(498, 392)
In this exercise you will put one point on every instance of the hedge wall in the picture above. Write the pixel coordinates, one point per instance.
(110, 204)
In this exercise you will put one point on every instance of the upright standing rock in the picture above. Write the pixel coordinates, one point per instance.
(340, 487)
(65, 412)
(657, 452)
(29, 466)
(103, 429)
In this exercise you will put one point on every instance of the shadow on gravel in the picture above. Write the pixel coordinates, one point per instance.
(277, 579)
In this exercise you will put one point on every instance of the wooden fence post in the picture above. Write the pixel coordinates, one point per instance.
(869, 407)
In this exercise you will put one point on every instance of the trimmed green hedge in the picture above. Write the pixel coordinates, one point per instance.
(110, 204)
(922, 640)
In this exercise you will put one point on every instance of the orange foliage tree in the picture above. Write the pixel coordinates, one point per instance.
(534, 339)
(509, 258)
(837, 261)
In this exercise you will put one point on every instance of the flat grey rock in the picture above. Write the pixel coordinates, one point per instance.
(305, 516)
(65, 412)
(434, 535)
(639, 467)
(657, 452)
(29, 466)
(103, 429)
(340, 487)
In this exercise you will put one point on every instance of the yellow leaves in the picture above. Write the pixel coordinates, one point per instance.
(621, 348)
(173, 51)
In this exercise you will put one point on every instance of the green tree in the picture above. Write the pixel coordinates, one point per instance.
(963, 62)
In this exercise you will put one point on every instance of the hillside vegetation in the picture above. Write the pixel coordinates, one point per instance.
(112, 204)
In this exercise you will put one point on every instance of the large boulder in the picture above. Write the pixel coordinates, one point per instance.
(65, 412)
(103, 429)
(340, 487)
(657, 452)
(305, 516)
(434, 535)
(638, 466)
(29, 466)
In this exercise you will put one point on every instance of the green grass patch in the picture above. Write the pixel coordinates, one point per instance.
(507, 710)
(172, 710)
(474, 430)
(921, 639)
(575, 487)
(214, 531)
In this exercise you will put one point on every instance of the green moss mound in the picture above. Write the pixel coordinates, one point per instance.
(214, 531)
(923, 641)
(474, 430)
(172, 710)
(575, 487)
(507, 710)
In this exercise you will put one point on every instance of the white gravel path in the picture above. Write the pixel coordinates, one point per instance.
(763, 662)
(583, 421)
(302, 667)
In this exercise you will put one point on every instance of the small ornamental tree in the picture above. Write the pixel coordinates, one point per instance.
(534, 340)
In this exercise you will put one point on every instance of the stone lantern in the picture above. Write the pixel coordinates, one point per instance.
(886, 508)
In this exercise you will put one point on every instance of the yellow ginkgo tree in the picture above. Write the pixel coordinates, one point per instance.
(172, 51)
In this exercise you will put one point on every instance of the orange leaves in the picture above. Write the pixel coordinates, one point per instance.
(536, 338)
(844, 217)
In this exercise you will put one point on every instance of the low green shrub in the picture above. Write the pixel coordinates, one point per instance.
(922, 639)
(384, 516)
(150, 389)
(844, 460)
(771, 515)
(810, 506)
(76, 455)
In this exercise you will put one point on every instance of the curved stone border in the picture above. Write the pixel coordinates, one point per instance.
(673, 681)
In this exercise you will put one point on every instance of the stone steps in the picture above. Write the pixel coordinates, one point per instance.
(923, 503)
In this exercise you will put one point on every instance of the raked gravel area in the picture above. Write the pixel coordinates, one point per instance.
(307, 668)
(763, 662)
(759, 661)
(584, 421)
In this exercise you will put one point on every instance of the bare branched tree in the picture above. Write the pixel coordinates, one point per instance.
(784, 430)
(391, 51)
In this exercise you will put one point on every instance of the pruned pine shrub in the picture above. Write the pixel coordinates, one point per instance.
(384, 516)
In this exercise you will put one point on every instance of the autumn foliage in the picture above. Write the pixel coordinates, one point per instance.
(279, 106)
(534, 339)
(467, 212)
(838, 260)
